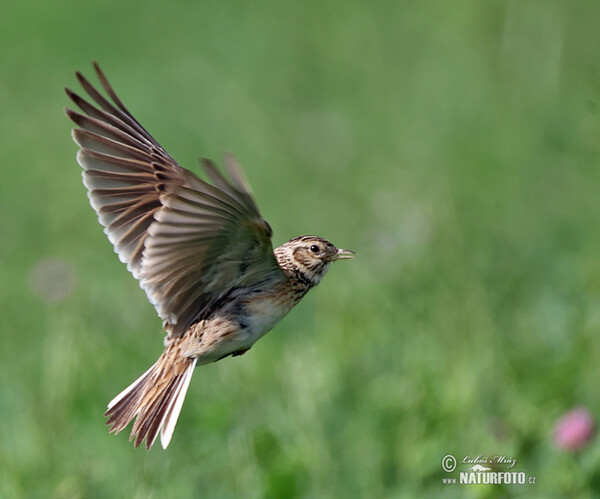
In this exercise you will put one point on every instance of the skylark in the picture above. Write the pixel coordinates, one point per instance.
(201, 251)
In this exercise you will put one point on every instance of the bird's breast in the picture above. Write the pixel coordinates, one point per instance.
(263, 310)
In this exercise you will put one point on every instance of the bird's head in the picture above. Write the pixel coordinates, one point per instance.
(310, 256)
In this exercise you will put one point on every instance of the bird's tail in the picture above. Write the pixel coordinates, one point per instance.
(154, 399)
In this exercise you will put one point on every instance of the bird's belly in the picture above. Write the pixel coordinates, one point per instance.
(238, 326)
(263, 312)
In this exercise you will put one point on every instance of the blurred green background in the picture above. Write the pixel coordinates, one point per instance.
(455, 146)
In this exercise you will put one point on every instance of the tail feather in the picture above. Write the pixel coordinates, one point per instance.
(154, 399)
(172, 414)
(133, 385)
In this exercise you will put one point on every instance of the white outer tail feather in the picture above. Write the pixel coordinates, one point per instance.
(115, 400)
(172, 413)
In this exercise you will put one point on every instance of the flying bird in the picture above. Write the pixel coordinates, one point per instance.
(200, 250)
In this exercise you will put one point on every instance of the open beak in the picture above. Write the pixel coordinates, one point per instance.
(343, 254)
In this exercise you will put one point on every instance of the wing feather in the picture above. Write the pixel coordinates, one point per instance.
(188, 241)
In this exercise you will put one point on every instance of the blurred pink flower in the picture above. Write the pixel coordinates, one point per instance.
(574, 430)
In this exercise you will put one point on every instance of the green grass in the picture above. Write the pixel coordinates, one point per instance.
(455, 146)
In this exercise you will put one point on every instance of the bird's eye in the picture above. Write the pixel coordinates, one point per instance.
(315, 249)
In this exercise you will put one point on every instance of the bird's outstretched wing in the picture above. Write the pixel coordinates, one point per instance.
(189, 242)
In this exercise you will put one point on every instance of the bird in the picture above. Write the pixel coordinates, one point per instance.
(200, 249)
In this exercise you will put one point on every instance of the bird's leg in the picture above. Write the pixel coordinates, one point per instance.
(234, 354)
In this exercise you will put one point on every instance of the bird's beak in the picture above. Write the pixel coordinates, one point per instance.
(343, 254)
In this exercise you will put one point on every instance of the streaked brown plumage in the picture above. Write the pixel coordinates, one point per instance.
(201, 251)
